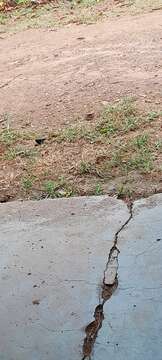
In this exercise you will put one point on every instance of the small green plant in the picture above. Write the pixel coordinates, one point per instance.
(123, 192)
(8, 137)
(116, 159)
(142, 161)
(22, 2)
(57, 189)
(98, 190)
(27, 182)
(85, 167)
(158, 145)
(131, 123)
(70, 134)
(107, 129)
(3, 19)
(152, 115)
(12, 153)
(141, 141)
(121, 116)
(50, 188)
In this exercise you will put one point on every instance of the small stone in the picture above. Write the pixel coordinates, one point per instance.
(89, 116)
(36, 302)
(40, 141)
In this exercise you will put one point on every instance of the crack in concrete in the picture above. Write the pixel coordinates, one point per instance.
(110, 284)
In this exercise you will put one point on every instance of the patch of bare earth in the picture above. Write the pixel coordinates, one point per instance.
(64, 87)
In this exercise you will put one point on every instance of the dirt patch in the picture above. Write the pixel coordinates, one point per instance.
(57, 85)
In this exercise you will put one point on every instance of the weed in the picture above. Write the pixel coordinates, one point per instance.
(142, 161)
(3, 19)
(57, 189)
(70, 134)
(89, 135)
(108, 129)
(141, 141)
(12, 153)
(158, 145)
(8, 137)
(27, 182)
(118, 117)
(116, 159)
(152, 115)
(22, 2)
(131, 123)
(98, 190)
(85, 167)
(50, 188)
(123, 192)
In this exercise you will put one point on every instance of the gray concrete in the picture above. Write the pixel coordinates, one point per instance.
(76, 235)
(62, 246)
(132, 327)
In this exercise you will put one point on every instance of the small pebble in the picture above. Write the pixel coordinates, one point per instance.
(35, 302)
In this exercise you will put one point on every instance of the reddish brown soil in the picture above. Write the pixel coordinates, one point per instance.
(49, 79)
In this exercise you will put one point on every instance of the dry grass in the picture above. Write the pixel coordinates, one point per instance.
(54, 15)
(120, 152)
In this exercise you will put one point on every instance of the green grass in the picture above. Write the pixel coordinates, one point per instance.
(142, 162)
(158, 145)
(22, 2)
(12, 153)
(27, 182)
(85, 167)
(57, 189)
(152, 115)
(75, 133)
(141, 141)
(123, 191)
(8, 137)
(98, 189)
(70, 134)
(142, 159)
(120, 117)
(135, 154)
(121, 142)
(3, 19)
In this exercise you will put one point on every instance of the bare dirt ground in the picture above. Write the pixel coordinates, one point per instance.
(54, 80)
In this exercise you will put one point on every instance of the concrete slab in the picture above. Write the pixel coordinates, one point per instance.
(132, 326)
(52, 258)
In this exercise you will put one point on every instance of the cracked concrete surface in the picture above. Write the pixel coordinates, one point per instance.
(52, 258)
(133, 315)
